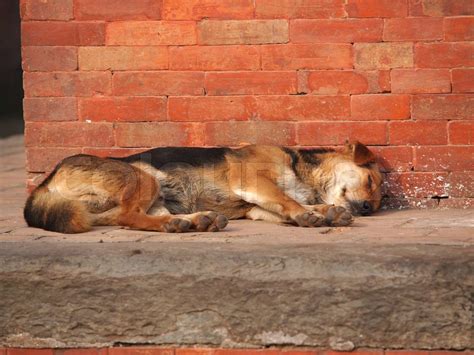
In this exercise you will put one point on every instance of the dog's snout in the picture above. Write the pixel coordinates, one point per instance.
(363, 208)
(366, 206)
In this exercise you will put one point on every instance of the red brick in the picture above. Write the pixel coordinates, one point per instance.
(335, 133)
(418, 185)
(384, 82)
(69, 134)
(444, 158)
(215, 58)
(110, 10)
(459, 28)
(199, 9)
(151, 33)
(379, 107)
(50, 109)
(49, 58)
(299, 352)
(333, 31)
(443, 107)
(25, 351)
(302, 108)
(85, 351)
(112, 152)
(123, 109)
(251, 83)
(355, 352)
(463, 80)
(418, 133)
(46, 10)
(153, 134)
(461, 132)
(383, 55)
(332, 82)
(158, 83)
(33, 180)
(421, 81)
(376, 8)
(195, 351)
(67, 84)
(238, 133)
(439, 8)
(461, 184)
(444, 55)
(123, 58)
(464, 203)
(394, 158)
(45, 159)
(210, 108)
(299, 9)
(306, 56)
(248, 352)
(45, 33)
(140, 351)
(413, 29)
(212, 32)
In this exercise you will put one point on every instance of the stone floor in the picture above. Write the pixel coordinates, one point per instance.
(454, 227)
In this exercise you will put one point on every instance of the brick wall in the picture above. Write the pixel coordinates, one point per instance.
(112, 77)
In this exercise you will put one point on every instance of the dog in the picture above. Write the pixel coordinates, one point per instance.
(200, 189)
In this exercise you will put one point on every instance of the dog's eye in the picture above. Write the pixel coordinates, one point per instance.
(369, 182)
(344, 190)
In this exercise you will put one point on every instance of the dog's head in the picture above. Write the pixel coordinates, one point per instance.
(355, 181)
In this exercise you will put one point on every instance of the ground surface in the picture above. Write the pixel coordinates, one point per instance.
(398, 279)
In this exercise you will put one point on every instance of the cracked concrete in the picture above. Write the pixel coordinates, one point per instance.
(398, 279)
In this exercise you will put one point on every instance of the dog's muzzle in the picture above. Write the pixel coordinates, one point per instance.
(363, 208)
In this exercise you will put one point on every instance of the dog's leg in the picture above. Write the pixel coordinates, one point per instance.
(259, 214)
(336, 216)
(270, 197)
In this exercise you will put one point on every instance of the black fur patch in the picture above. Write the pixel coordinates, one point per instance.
(309, 156)
(294, 157)
(159, 157)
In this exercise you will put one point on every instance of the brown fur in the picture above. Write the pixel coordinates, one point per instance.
(306, 188)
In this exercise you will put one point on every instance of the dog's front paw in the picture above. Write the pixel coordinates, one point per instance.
(338, 216)
(309, 219)
(210, 222)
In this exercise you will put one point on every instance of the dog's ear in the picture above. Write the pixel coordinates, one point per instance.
(360, 153)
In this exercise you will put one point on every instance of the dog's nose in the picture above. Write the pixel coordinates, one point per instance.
(366, 208)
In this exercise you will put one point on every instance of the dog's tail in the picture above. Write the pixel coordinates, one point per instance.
(52, 211)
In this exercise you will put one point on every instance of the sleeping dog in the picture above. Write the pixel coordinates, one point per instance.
(199, 189)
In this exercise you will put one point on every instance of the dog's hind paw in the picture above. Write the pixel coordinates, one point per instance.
(338, 216)
(210, 222)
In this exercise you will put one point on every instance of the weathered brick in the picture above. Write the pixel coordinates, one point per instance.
(438, 8)
(335, 133)
(419, 185)
(123, 58)
(306, 56)
(199, 9)
(334, 31)
(461, 184)
(396, 158)
(210, 108)
(299, 9)
(444, 158)
(195, 351)
(49, 58)
(50, 109)
(380, 107)
(443, 107)
(215, 58)
(25, 351)
(67, 83)
(46, 10)
(123, 109)
(463, 80)
(333, 82)
(140, 351)
(383, 55)
(68, 134)
(151, 33)
(461, 132)
(444, 55)
(54, 33)
(421, 81)
(83, 351)
(376, 8)
(112, 153)
(254, 132)
(459, 28)
(112, 10)
(154, 134)
(251, 83)
(158, 83)
(302, 108)
(413, 29)
(418, 133)
(212, 32)
(45, 159)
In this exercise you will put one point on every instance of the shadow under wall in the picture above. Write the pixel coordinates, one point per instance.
(11, 88)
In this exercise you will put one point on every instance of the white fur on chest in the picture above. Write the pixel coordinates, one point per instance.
(294, 187)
